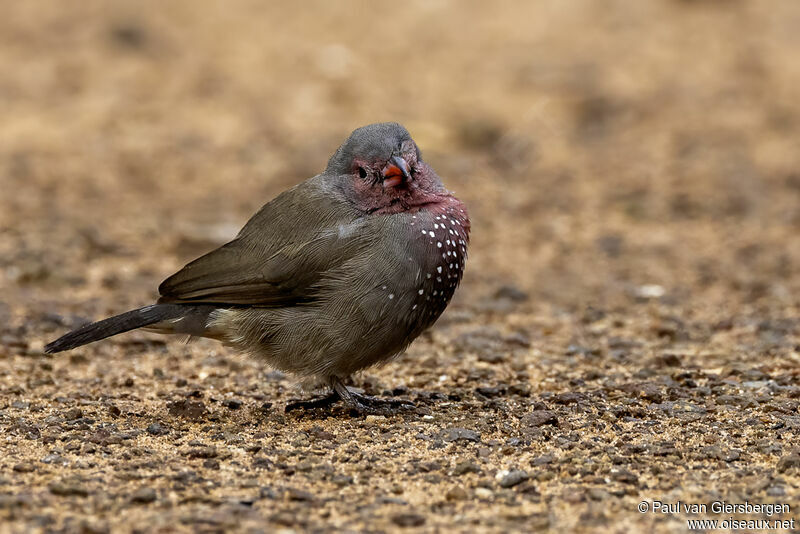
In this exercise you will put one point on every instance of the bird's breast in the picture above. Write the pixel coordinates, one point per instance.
(439, 237)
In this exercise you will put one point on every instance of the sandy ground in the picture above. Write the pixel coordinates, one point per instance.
(628, 329)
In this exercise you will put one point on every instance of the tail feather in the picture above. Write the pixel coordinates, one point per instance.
(116, 325)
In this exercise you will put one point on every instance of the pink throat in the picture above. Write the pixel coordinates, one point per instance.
(441, 206)
(413, 202)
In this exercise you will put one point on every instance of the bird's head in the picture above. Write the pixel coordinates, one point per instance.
(380, 166)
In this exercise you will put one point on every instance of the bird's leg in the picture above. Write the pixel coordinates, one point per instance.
(366, 404)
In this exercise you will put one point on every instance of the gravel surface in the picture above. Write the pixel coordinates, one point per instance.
(628, 328)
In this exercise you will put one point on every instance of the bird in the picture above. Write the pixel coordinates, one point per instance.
(335, 275)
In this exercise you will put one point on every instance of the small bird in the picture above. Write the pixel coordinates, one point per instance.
(337, 274)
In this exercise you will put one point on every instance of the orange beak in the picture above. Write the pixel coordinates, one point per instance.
(396, 172)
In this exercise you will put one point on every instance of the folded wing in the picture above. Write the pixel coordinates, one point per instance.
(277, 259)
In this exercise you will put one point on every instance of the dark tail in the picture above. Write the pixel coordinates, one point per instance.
(116, 325)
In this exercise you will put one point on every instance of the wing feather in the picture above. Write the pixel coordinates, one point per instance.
(277, 259)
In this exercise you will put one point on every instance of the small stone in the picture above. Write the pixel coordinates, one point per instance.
(342, 480)
(650, 392)
(730, 456)
(523, 390)
(267, 493)
(202, 452)
(669, 360)
(232, 404)
(455, 434)
(790, 462)
(68, 488)
(144, 496)
(509, 479)
(625, 477)
(492, 357)
(570, 397)
(540, 418)
(294, 494)
(456, 493)
(484, 493)
(25, 467)
(304, 467)
(187, 409)
(408, 520)
(465, 467)
(156, 429)
(373, 419)
(490, 391)
(649, 291)
(129, 382)
(776, 491)
(73, 413)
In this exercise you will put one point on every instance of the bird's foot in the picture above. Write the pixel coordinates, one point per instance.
(357, 402)
(365, 404)
(312, 404)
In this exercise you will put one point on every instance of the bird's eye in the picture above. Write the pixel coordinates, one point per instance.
(362, 172)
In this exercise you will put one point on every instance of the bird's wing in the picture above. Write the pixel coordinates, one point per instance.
(276, 260)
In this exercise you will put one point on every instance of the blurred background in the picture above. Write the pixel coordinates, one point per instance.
(607, 151)
(628, 327)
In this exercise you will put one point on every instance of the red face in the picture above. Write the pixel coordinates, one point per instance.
(400, 183)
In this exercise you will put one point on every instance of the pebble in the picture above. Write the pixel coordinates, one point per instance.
(202, 452)
(68, 488)
(625, 477)
(342, 480)
(455, 434)
(540, 418)
(483, 493)
(509, 479)
(490, 391)
(73, 413)
(456, 493)
(144, 496)
(790, 462)
(372, 419)
(649, 291)
(156, 429)
(408, 520)
(293, 494)
(187, 409)
(232, 404)
(569, 397)
(25, 467)
(465, 467)
(492, 357)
